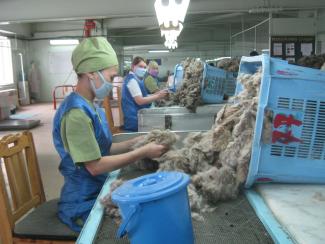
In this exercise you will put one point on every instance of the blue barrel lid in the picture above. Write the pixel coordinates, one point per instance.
(150, 187)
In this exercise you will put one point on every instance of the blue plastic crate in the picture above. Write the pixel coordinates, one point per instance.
(248, 65)
(231, 81)
(213, 84)
(296, 153)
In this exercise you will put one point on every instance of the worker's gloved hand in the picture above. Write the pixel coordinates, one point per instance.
(153, 150)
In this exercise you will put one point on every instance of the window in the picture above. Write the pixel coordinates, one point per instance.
(6, 71)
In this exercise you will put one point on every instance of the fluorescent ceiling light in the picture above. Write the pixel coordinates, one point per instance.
(158, 51)
(64, 42)
(7, 32)
(171, 15)
(4, 23)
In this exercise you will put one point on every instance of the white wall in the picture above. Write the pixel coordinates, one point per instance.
(293, 27)
(41, 52)
(44, 54)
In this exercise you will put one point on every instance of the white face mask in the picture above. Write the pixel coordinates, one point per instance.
(104, 89)
(140, 72)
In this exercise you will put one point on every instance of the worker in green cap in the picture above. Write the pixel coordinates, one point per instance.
(81, 134)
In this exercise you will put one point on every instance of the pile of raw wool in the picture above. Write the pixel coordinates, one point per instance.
(217, 160)
(189, 94)
(231, 64)
(313, 61)
(160, 137)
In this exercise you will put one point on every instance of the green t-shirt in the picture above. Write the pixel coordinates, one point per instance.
(78, 136)
(151, 84)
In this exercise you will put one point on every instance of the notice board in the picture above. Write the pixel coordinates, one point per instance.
(292, 48)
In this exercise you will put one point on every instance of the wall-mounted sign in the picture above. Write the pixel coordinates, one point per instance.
(292, 48)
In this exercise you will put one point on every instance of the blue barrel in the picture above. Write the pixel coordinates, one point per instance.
(155, 209)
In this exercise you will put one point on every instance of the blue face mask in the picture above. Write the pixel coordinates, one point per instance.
(140, 72)
(104, 89)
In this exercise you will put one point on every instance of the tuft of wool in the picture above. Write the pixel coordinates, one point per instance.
(231, 64)
(312, 61)
(189, 93)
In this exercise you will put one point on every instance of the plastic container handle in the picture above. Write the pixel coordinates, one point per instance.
(122, 229)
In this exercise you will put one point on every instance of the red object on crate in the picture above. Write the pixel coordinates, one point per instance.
(284, 137)
(282, 119)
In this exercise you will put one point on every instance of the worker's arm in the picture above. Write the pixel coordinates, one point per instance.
(140, 100)
(137, 95)
(125, 146)
(111, 163)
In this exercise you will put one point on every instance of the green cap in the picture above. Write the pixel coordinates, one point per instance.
(93, 54)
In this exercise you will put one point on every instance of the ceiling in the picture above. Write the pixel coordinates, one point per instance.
(130, 22)
(15, 10)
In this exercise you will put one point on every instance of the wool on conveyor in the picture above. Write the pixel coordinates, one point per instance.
(189, 94)
(162, 137)
(231, 64)
(312, 61)
(216, 160)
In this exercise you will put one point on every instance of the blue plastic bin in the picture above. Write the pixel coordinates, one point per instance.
(296, 152)
(213, 84)
(231, 82)
(155, 209)
(178, 77)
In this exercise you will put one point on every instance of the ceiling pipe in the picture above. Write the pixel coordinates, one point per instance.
(219, 17)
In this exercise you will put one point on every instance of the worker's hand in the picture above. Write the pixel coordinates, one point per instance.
(153, 150)
(162, 93)
(135, 140)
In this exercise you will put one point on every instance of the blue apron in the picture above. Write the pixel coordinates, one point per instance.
(129, 106)
(80, 188)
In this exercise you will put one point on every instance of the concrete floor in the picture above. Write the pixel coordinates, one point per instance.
(47, 156)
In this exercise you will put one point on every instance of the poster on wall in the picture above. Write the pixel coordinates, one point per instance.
(277, 49)
(306, 49)
(290, 49)
(293, 47)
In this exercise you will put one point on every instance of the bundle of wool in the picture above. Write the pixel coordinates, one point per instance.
(189, 93)
(110, 208)
(231, 64)
(216, 184)
(312, 61)
(161, 137)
